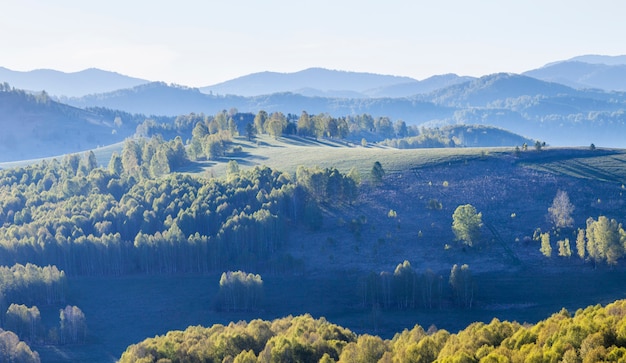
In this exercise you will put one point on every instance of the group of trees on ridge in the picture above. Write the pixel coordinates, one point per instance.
(211, 133)
(593, 334)
(602, 239)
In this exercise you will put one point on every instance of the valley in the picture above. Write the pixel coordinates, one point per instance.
(513, 281)
(163, 207)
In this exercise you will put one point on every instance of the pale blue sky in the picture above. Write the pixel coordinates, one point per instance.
(198, 43)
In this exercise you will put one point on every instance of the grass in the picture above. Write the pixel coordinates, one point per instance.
(103, 155)
(287, 153)
(605, 165)
(513, 280)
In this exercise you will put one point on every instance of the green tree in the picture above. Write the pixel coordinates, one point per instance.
(232, 127)
(467, 224)
(564, 248)
(232, 170)
(250, 131)
(276, 124)
(377, 173)
(546, 247)
(131, 158)
(305, 125)
(115, 164)
(580, 244)
(259, 121)
(605, 240)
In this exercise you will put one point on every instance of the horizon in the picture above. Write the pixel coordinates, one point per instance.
(302, 70)
(198, 44)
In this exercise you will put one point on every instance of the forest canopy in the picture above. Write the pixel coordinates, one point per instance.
(593, 334)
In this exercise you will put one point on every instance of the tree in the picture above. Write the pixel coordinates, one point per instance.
(305, 125)
(23, 321)
(276, 124)
(115, 164)
(240, 290)
(539, 145)
(462, 285)
(259, 121)
(546, 247)
(378, 173)
(232, 170)
(605, 240)
(232, 127)
(400, 129)
(250, 131)
(564, 248)
(466, 224)
(580, 244)
(73, 325)
(561, 210)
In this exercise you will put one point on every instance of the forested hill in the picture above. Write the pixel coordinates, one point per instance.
(35, 126)
(552, 112)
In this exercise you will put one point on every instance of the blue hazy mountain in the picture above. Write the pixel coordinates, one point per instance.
(499, 86)
(35, 126)
(74, 84)
(588, 71)
(320, 82)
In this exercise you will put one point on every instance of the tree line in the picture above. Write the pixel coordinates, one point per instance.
(91, 220)
(603, 240)
(406, 288)
(593, 334)
(26, 323)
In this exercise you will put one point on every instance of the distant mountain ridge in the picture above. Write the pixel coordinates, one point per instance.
(73, 84)
(35, 126)
(581, 75)
(586, 71)
(555, 113)
(543, 106)
(330, 83)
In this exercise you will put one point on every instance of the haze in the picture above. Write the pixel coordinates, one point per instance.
(198, 43)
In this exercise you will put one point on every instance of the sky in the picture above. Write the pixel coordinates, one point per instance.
(204, 42)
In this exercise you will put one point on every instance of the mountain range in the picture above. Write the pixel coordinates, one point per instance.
(573, 102)
(590, 71)
(74, 84)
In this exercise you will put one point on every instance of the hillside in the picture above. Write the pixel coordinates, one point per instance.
(133, 232)
(73, 84)
(38, 127)
(557, 114)
(513, 280)
(501, 86)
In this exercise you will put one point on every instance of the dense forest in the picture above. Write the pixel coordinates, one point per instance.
(89, 220)
(593, 334)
